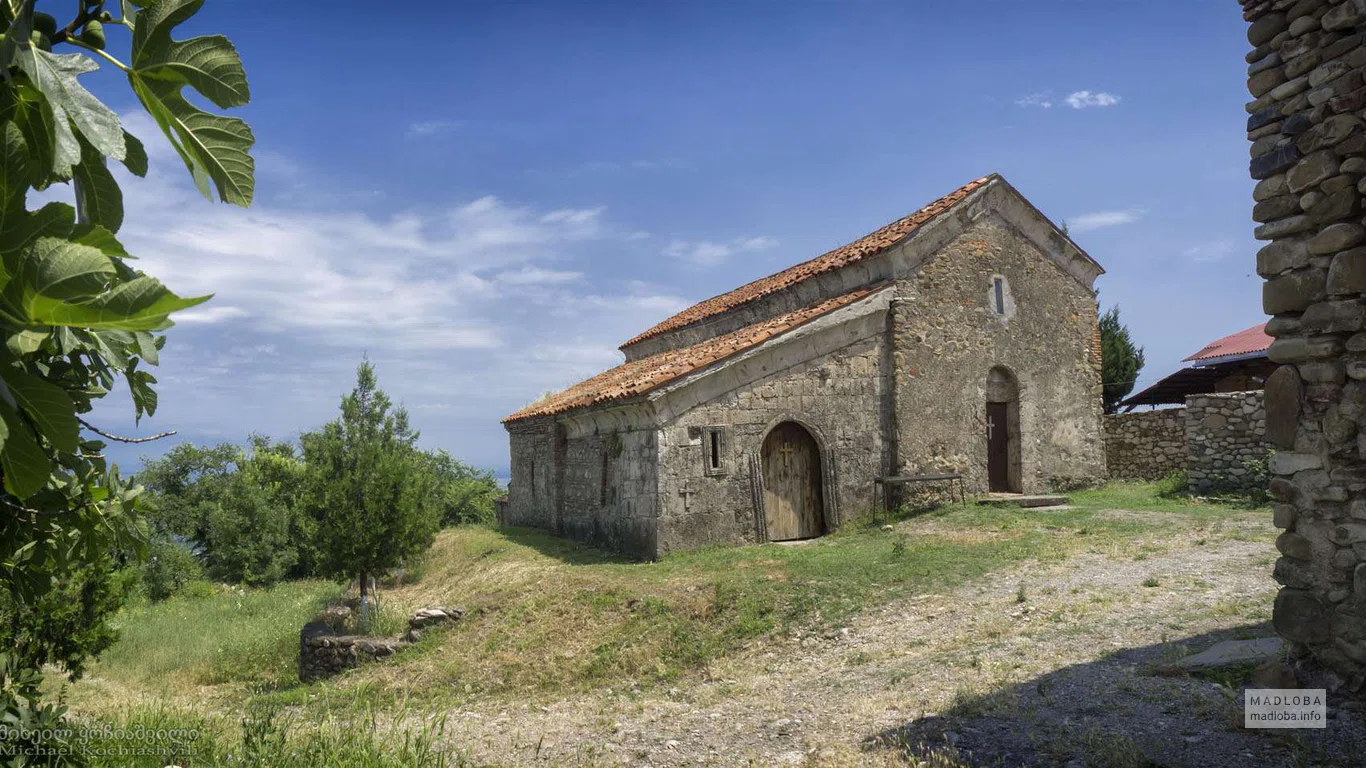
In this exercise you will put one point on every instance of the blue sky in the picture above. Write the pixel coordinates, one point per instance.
(487, 198)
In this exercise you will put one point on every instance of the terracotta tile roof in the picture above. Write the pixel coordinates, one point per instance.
(868, 245)
(1244, 342)
(638, 377)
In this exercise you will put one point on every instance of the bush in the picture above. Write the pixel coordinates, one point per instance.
(247, 534)
(170, 568)
(1174, 484)
(464, 494)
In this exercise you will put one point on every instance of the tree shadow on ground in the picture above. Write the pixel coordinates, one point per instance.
(565, 550)
(1122, 710)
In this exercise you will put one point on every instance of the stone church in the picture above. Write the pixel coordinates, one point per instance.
(960, 338)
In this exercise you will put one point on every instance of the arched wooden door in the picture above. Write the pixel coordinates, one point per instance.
(793, 503)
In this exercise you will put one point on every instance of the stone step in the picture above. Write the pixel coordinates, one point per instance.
(1022, 500)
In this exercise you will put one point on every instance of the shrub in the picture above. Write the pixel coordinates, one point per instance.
(1174, 483)
(247, 534)
(463, 494)
(169, 569)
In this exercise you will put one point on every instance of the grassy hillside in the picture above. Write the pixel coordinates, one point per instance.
(547, 617)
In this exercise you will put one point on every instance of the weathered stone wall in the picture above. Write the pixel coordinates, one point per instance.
(1309, 159)
(841, 400)
(324, 649)
(610, 491)
(530, 502)
(948, 337)
(1145, 445)
(1225, 437)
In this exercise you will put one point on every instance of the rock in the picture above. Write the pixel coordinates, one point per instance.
(1347, 273)
(1302, 25)
(1295, 124)
(1263, 29)
(1288, 463)
(1337, 237)
(1328, 71)
(1283, 516)
(1274, 674)
(1289, 88)
(1338, 205)
(1283, 392)
(1298, 349)
(1295, 545)
(1348, 102)
(1264, 117)
(1278, 256)
(1269, 188)
(1232, 653)
(1313, 169)
(1274, 162)
(1264, 81)
(1275, 230)
(1294, 291)
(1344, 16)
(1270, 61)
(1279, 207)
(1300, 615)
(1332, 317)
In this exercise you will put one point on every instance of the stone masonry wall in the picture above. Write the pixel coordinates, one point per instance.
(947, 339)
(1309, 160)
(840, 398)
(1225, 436)
(1145, 445)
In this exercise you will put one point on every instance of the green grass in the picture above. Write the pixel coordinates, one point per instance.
(249, 636)
(1140, 496)
(548, 616)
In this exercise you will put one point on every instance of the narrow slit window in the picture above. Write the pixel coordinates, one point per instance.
(714, 451)
(999, 289)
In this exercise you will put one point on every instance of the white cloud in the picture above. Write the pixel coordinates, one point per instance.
(1084, 99)
(432, 127)
(707, 253)
(1210, 252)
(1041, 99)
(1100, 219)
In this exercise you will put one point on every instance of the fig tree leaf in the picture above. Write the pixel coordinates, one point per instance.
(100, 238)
(26, 466)
(98, 197)
(141, 304)
(215, 148)
(136, 158)
(55, 75)
(47, 405)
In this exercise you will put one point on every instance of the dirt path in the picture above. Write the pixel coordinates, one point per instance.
(1048, 665)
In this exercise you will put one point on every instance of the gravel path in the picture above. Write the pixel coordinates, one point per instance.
(1037, 665)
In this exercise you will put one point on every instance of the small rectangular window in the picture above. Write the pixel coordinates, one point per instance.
(999, 285)
(714, 451)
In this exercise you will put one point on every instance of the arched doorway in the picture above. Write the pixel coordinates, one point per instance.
(793, 504)
(1003, 432)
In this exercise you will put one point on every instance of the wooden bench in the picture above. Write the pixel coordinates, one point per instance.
(880, 484)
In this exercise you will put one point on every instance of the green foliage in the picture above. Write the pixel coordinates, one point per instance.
(169, 569)
(368, 487)
(238, 507)
(68, 624)
(36, 725)
(464, 494)
(1120, 360)
(1175, 483)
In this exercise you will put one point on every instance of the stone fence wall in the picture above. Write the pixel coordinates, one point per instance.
(1219, 439)
(1145, 445)
(1226, 443)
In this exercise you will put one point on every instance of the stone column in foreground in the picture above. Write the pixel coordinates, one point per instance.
(1308, 138)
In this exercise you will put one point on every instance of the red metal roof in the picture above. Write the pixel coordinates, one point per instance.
(1244, 342)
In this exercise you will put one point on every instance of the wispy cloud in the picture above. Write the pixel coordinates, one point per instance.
(1101, 219)
(432, 127)
(1041, 99)
(1210, 252)
(707, 253)
(1084, 99)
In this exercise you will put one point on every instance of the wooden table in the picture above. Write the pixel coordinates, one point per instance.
(880, 484)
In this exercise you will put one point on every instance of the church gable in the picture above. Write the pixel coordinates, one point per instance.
(893, 251)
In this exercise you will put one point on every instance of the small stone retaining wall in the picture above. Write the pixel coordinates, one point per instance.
(324, 651)
(1226, 445)
(1219, 439)
(1145, 445)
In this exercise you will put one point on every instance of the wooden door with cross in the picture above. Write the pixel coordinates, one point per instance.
(792, 484)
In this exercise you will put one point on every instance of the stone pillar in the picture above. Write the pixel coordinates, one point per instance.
(1309, 161)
